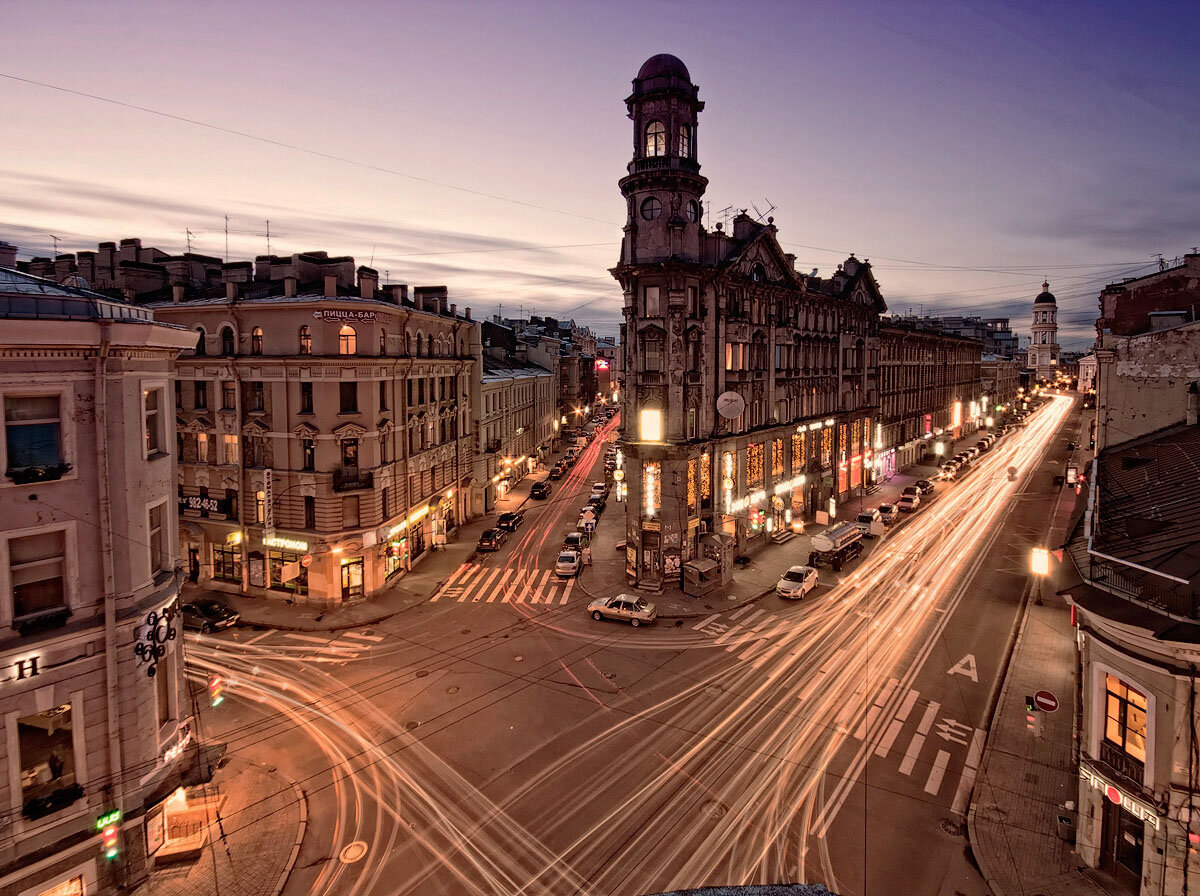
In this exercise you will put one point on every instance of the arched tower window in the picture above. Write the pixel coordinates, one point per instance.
(256, 341)
(201, 347)
(347, 340)
(685, 141)
(382, 341)
(227, 347)
(656, 139)
(305, 340)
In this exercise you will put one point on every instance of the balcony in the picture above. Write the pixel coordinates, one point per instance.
(664, 163)
(352, 479)
(1122, 763)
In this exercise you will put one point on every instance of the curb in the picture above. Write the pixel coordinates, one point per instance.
(302, 829)
(741, 602)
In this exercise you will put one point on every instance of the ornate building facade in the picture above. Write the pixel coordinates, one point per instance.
(750, 392)
(1044, 351)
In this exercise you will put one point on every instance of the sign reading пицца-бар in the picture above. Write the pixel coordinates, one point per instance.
(339, 314)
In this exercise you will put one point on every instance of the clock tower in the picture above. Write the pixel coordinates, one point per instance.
(664, 186)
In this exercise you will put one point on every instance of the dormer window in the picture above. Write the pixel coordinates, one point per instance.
(656, 139)
(685, 141)
(758, 273)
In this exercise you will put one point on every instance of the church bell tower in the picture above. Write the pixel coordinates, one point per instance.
(664, 186)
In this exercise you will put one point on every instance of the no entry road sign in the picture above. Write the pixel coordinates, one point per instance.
(1045, 701)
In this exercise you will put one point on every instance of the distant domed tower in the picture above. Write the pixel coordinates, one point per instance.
(1044, 350)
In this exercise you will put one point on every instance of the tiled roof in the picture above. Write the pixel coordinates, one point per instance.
(1150, 502)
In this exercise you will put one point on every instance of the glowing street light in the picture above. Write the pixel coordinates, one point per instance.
(1039, 564)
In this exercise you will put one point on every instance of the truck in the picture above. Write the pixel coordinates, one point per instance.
(836, 546)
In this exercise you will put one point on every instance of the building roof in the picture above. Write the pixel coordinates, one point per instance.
(1149, 502)
(664, 65)
(36, 298)
(497, 372)
(1045, 297)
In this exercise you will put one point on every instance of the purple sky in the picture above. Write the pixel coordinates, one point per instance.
(967, 149)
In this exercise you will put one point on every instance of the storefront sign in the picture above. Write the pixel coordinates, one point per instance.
(234, 537)
(1136, 807)
(651, 526)
(343, 314)
(173, 752)
(204, 504)
(156, 832)
(287, 544)
(741, 504)
(268, 504)
(789, 484)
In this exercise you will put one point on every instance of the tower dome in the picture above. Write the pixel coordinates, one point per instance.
(664, 65)
(1045, 297)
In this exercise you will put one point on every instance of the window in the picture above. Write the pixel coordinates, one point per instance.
(310, 512)
(228, 396)
(385, 447)
(305, 340)
(383, 405)
(178, 395)
(386, 504)
(257, 396)
(202, 455)
(256, 451)
(201, 342)
(33, 432)
(383, 342)
(350, 512)
(163, 691)
(230, 443)
(36, 567)
(256, 342)
(306, 398)
(159, 558)
(227, 345)
(350, 453)
(349, 398)
(650, 420)
(656, 139)
(152, 400)
(651, 352)
(651, 306)
(46, 744)
(685, 142)
(1125, 723)
(308, 450)
(201, 395)
(347, 340)
(227, 563)
(260, 507)
(651, 208)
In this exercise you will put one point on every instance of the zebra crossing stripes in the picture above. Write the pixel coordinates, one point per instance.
(476, 583)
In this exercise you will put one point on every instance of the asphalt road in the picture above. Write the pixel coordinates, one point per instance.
(496, 740)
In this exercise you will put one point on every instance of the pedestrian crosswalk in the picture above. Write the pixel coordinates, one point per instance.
(334, 647)
(935, 744)
(477, 583)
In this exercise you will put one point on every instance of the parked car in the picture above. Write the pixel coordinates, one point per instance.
(510, 521)
(797, 582)
(925, 486)
(540, 490)
(610, 464)
(598, 502)
(909, 503)
(574, 541)
(911, 490)
(600, 488)
(556, 472)
(206, 615)
(889, 513)
(948, 470)
(865, 519)
(491, 540)
(568, 564)
(631, 608)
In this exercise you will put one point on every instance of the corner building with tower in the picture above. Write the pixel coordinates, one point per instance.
(751, 397)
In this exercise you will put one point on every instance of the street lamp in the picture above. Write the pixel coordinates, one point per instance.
(1039, 563)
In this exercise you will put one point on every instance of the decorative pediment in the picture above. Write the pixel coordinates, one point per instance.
(305, 430)
(350, 431)
(254, 428)
(198, 424)
(384, 424)
(762, 260)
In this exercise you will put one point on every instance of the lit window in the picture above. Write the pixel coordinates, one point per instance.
(256, 341)
(347, 340)
(46, 744)
(154, 422)
(1125, 724)
(685, 141)
(231, 448)
(260, 507)
(202, 447)
(656, 139)
(651, 424)
(305, 341)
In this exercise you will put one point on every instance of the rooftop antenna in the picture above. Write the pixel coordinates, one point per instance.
(189, 239)
(771, 206)
(726, 213)
(268, 236)
(227, 237)
(371, 263)
(53, 237)
(1162, 265)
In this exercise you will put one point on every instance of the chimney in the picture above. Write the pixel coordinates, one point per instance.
(230, 290)
(419, 299)
(8, 255)
(368, 282)
(177, 293)
(399, 292)
(331, 285)
(467, 313)
(1193, 404)
(289, 287)
(454, 311)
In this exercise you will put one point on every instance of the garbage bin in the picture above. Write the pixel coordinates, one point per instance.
(1066, 816)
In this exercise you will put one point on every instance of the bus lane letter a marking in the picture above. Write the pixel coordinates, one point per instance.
(965, 666)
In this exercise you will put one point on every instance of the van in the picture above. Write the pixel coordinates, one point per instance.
(867, 519)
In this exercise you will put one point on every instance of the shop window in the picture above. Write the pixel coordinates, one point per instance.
(286, 572)
(227, 563)
(352, 578)
(33, 432)
(36, 571)
(47, 761)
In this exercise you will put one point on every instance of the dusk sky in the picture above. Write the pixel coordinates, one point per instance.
(966, 149)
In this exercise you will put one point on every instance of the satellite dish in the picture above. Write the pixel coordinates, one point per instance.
(730, 405)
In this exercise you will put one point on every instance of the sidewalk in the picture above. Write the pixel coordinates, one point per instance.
(264, 817)
(1024, 780)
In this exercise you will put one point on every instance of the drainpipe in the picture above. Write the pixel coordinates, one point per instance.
(111, 683)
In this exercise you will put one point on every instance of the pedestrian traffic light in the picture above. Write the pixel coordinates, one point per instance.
(1033, 717)
(109, 826)
(216, 690)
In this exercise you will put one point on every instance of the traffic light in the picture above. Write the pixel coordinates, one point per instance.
(1033, 717)
(109, 827)
(216, 690)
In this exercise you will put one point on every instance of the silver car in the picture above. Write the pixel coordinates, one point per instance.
(631, 608)
(797, 582)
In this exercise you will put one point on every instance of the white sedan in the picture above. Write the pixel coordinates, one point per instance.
(797, 582)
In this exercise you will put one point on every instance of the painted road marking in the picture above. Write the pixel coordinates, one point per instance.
(296, 636)
(967, 781)
(897, 724)
(499, 586)
(876, 708)
(755, 635)
(934, 784)
(257, 638)
(918, 740)
(364, 636)
(567, 591)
